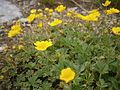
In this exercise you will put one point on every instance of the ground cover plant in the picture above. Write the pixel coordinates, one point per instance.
(63, 49)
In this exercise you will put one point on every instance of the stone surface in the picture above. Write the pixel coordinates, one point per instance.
(8, 11)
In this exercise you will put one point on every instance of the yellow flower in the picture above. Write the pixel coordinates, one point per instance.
(93, 16)
(46, 9)
(55, 22)
(39, 10)
(107, 3)
(39, 15)
(31, 17)
(94, 10)
(50, 14)
(116, 30)
(20, 47)
(40, 25)
(15, 30)
(42, 45)
(112, 11)
(60, 8)
(71, 13)
(50, 10)
(78, 15)
(67, 75)
(33, 11)
(16, 26)
(13, 33)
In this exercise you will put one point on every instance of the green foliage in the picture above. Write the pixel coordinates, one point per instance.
(51, 2)
(90, 57)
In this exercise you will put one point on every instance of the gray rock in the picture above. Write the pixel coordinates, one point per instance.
(72, 9)
(8, 11)
(32, 2)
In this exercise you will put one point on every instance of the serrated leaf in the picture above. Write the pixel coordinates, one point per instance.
(101, 67)
(101, 83)
(32, 79)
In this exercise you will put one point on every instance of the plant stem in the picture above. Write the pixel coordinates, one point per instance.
(79, 5)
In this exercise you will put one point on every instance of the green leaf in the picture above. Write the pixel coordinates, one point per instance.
(114, 83)
(31, 64)
(101, 83)
(101, 67)
(32, 79)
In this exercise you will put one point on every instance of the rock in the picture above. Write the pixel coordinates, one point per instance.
(32, 2)
(8, 11)
(23, 20)
(72, 9)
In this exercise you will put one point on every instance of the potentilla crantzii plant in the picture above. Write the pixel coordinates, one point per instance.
(63, 49)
